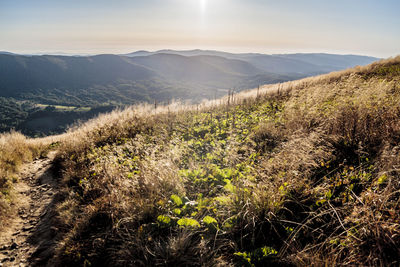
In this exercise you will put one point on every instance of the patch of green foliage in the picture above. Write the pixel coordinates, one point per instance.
(257, 257)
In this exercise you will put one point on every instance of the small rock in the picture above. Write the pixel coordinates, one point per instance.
(13, 245)
(27, 228)
(16, 233)
(21, 212)
(53, 231)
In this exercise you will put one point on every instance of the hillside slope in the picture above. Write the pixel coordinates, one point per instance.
(296, 174)
(293, 174)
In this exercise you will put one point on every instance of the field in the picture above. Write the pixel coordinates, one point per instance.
(64, 108)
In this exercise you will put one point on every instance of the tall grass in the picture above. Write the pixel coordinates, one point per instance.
(15, 150)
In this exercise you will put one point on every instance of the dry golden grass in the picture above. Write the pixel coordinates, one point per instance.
(15, 150)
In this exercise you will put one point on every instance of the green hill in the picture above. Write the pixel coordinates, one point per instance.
(293, 174)
(301, 174)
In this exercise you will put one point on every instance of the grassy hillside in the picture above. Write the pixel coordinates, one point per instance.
(301, 173)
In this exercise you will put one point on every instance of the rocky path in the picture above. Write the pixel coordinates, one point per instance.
(30, 233)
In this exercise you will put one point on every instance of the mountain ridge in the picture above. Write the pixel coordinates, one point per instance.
(295, 57)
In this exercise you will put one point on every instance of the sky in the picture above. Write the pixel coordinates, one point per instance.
(365, 27)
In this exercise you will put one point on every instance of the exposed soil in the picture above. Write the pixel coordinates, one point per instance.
(29, 239)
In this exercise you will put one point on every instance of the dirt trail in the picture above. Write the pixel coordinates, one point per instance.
(30, 236)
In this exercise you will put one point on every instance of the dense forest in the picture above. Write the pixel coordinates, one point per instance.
(40, 120)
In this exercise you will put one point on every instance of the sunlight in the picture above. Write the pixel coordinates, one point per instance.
(203, 4)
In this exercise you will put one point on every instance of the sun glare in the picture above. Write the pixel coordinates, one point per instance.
(203, 4)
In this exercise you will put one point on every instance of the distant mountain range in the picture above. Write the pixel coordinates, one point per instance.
(161, 75)
(6, 53)
(310, 63)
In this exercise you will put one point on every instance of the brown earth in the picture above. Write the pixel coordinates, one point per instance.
(29, 238)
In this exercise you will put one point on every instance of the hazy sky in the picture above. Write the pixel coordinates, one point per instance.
(369, 27)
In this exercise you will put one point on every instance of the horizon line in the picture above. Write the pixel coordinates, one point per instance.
(60, 53)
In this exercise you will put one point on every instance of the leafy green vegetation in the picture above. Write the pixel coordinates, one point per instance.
(216, 159)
